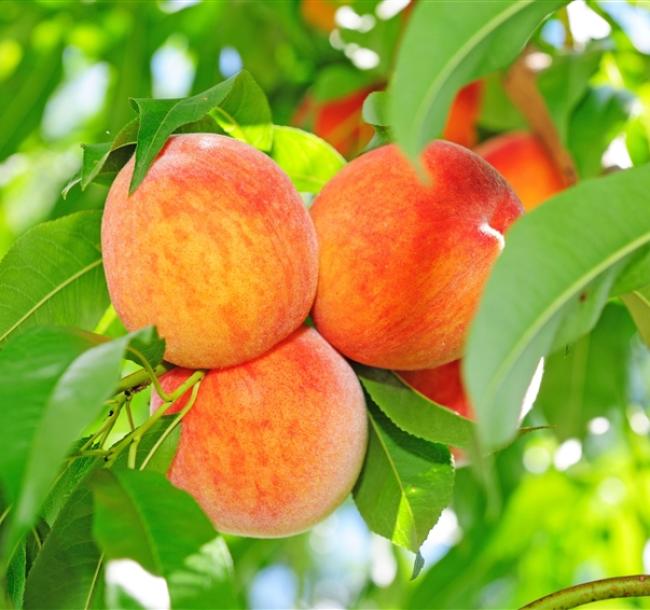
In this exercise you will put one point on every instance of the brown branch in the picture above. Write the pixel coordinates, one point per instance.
(608, 588)
(521, 86)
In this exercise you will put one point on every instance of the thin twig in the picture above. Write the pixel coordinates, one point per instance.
(181, 414)
(134, 438)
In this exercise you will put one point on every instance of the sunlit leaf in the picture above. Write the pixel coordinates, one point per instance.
(638, 303)
(237, 104)
(589, 377)
(448, 44)
(53, 383)
(414, 413)
(68, 572)
(141, 516)
(53, 275)
(404, 485)
(308, 160)
(552, 256)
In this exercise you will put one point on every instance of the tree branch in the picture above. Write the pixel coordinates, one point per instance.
(608, 588)
(521, 86)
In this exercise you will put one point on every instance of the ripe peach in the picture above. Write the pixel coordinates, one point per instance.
(274, 445)
(320, 13)
(403, 263)
(443, 385)
(338, 121)
(215, 248)
(524, 162)
(461, 121)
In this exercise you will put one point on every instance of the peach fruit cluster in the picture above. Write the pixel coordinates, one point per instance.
(216, 249)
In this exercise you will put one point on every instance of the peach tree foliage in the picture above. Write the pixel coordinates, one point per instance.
(62, 385)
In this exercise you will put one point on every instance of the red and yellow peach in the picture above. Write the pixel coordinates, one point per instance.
(272, 446)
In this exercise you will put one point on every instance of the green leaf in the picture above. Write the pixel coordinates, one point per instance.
(588, 378)
(603, 106)
(565, 82)
(635, 275)
(374, 109)
(16, 576)
(53, 383)
(638, 304)
(105, 160)
(404, 485)
(308, 160)
(141, 516)
(448, 44)
(338, 80)
(237, 104)
(552, 256)
(414, 413)
(498, 113)
(117, 598)
(164, 455)
(67, 482)
(53, 275)
(245, 113)
(68, 572)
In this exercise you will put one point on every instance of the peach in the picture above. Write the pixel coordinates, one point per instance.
(320, 13)
(403, 263)
(272, 446)
(214, 247)
(443, 385)
(522, 159)
(463, 114)
(338, 121)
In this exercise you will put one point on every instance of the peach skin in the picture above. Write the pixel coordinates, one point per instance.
(524, 162)
(403, 263)
(214, 247)
(272, 446)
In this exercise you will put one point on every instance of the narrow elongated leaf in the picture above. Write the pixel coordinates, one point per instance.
(448, 44)
(68, 572)
(141, 516)
(574, 389)
(634, 275)
(308, 160)
(16, 576)
(237, 104)
(603, 106)
(53, 275)
(564, 84)
(404, 485)
(552, 256)
(638, 303)
(67, 483)
(245, 113)
(53, 383)
(106, 159)
(414, 413)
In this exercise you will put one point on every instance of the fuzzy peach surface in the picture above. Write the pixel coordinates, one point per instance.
(524, 162)
(403, 263)
(214, 247)
(272, 446)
